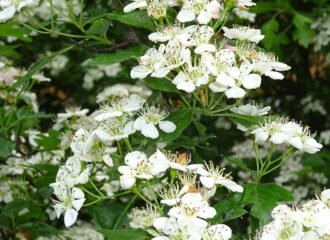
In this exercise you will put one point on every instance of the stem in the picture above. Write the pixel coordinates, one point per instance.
(90, 193)
(97, 190)
(128, 206)
(136, 191)
(128, 145)
(154, 197)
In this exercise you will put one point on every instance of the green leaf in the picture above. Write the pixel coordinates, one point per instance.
(229, 209)
(25, 80)
(105, 215)
(182, 118)
(8, 51)
(303, 32)
(99, 27)
(127, 234)
(9, 29)
(264, 198)
(119, 56)
(13, 208)
(161, 84)
(6, 148)
(50, 141)
(245, 120)
(138, 19)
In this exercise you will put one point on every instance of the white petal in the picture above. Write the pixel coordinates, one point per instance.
(167, 126)
(205, 48)
(70, 217)
(231, 185)
(186, 86)
(278, 138)
(159, 163)
(160, 73)
(7, 13)
(207, 182)
(225, 80)
(135, 5)
(296, 142)
(274, 75)
(158, 37)
(149, 130)
(78, 193)
(251, 81)
(186, 16)
(207, 212)
(107, 159)
(77, 204)
(127, 181)
(140, 72)
(132, 159)
(106, 115)
(204, 17)
(235, 92)
(139, 123)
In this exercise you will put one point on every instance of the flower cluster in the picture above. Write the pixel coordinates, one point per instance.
(188, 198)
(190, 58)
(289, 132)
(8, 8)
(309, 221)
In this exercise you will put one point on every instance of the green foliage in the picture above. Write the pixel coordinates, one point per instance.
(126, 234)
(119, 56)
(263, 198)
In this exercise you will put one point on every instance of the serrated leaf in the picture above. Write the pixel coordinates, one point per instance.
(303, 32)
(99, 27)
(264, 197)
(6, 148)
(127, 234)
(50, 141)
(105, 215)
(138, 19)
(161, 84)
(24, 81)
(182, 118)
(245, 120)
(119, 56)
(229, 209)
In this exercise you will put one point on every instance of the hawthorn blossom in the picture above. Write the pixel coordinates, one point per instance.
(143, 217)
(201, 10)
(70, 202)
(126, 105)
(139, 166)
(232, 82)
(149, 118)
(136, 4)
(8, 8)
(243, 33)
(167, 33)
(152, 62)
(191, 77)
(71, 112)
(217, 232)
(193, 209)
(251, 109)
(212, 176)
(114, 129)
(199, 37)
(219, 62)
(70, 174)
(283, 131)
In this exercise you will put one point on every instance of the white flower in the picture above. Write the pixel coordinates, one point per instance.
(199, 37)
(70, 174)
(193, 209)
(251, 109)
(191, 76)
(143, 217)
(217, 232)
(231, 82)
(176, 54)
(202, 10)
(69, 201)
(138, 165)
(114, 129)
(111, 187)
(9, 8)
(219, 62)
(212, 176)
(149, 118)
(71, 113)
(129, 105)
(174, 228)
(40, 78)
(136, 4)
(245, 3)
(325, 197)
(151, 63)
(181, 162)
(167, 33)
(157, 8)
(5, 192)
(267, 64)
(243, 33)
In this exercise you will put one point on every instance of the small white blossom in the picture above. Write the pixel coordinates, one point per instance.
(149, 118)
(243, 33)
(69, 201)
